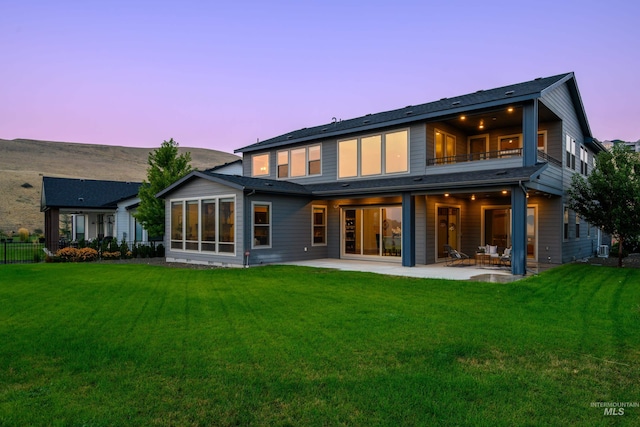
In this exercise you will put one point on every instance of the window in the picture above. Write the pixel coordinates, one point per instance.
(584, 160)
(260, 165)
(509, 145)
(176, 225)
(570, 153)
(348, 158)
(283, 164)
(208, 215)
(314, 160)
(299, 162)
(80, 231)
(137, 227)
(566, 223)
(498, 223)
(319, 236)
(542, 141)
(445, 146)
(261, 225)
(371, 155)
(577, 226)
(396, 152)
(371, 148)
(203, 225)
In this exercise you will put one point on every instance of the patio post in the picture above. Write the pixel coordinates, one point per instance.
(518, 231)
(408, 230)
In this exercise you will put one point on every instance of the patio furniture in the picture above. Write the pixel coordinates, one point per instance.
(505, 258)
(455, 257)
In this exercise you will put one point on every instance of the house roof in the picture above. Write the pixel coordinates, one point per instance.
(85, 193)
(218, 167)
(426, 183)
(444, 107)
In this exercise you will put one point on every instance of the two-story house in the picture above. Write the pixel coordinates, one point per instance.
(486, 168)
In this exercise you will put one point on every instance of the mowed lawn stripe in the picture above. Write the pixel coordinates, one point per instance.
(102, 344)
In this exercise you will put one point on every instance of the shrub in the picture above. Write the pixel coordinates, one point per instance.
(23, 234)
(111, 255)
(77, 255)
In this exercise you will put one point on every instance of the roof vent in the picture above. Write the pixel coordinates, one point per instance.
(501, 173)
(508, 93)
(345, 185)
(268, 184)
(81, 199)
(324, 129)
(289, 136)
(455, 103)
(367, 121)
(408, 113)
(418, 179)
(538, 78)
(481, 90)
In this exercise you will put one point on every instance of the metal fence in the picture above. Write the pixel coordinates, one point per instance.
(21, 252)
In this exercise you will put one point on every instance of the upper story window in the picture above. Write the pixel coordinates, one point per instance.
(570, 150)
(380, 154)
(260, 165)
(445, 145)
(584, 160)
(299, 162)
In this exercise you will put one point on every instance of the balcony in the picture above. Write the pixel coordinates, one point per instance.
(490, 155)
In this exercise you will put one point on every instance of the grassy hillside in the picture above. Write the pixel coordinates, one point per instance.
(24, 162)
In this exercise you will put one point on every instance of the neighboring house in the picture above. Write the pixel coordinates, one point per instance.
(489, 167)
(96, 209)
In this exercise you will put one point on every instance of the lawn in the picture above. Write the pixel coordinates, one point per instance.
(131, 345)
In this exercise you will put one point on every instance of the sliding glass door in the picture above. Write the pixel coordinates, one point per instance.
(372, 231)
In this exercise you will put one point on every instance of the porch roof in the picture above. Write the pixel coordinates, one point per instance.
(421, 183)
(71, 193)
(514, 93)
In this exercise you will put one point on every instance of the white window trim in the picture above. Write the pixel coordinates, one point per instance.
(253, 225)
(218, 242)
(268, 156)
(306, 162)
(324, 208)
(383, 144)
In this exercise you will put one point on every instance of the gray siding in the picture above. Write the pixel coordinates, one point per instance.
(291, 231)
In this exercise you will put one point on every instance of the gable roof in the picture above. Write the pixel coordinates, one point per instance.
(446, 106)
(85, 193)
(426, 183)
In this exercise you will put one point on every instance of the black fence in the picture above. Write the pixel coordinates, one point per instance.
(15, 252)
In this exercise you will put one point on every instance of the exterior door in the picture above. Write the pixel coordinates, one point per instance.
(448, 228)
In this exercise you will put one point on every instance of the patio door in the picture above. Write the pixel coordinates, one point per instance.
(448, 229)
(372, 231)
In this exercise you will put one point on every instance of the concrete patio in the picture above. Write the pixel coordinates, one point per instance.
(433, 271)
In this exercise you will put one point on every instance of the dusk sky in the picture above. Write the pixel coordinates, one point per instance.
(222, 75)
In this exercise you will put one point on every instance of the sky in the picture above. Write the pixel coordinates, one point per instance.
(223, 75)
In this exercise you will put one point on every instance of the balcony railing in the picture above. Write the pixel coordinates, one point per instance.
(489, 155)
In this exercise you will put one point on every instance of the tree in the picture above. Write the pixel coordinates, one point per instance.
(165, 168)
(610, 196)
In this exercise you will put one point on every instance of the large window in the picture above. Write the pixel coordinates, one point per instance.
(299, 162)
(260, 165)
(319, 236)
(204, 225)
(80, 227)
(584, 160)
(379, 154)
(261, 225)
(565, 219)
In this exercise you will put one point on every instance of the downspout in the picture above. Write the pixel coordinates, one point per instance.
(247, 253)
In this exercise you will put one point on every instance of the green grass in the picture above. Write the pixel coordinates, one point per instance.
(132, 345)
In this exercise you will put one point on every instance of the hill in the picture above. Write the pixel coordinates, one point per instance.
(24, 162)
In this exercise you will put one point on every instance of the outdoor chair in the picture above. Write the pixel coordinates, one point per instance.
(505, 258)
(455, 257)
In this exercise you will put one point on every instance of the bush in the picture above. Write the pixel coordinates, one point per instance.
(23, 234)
(111, 255)
(76, 255)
